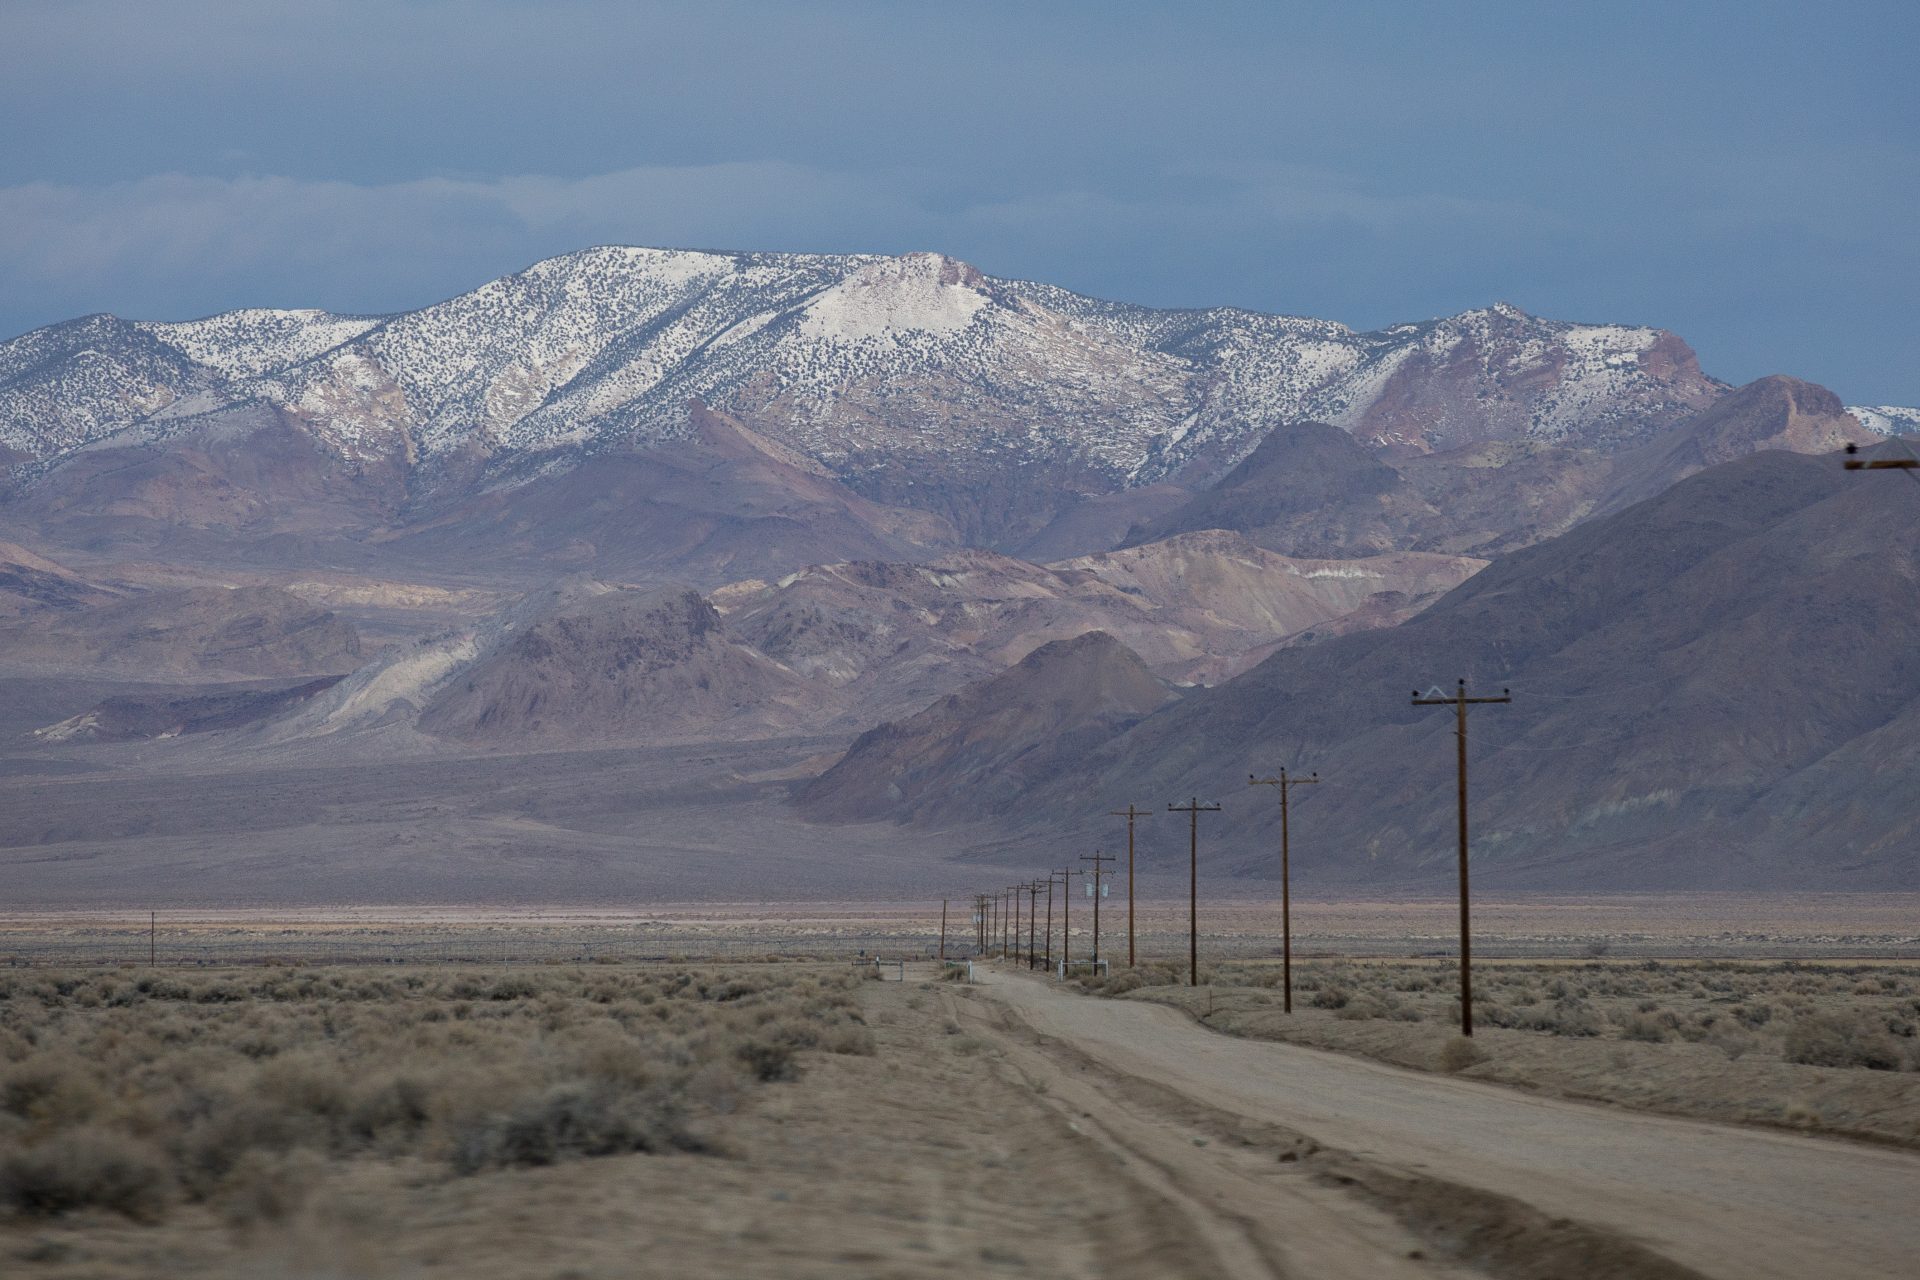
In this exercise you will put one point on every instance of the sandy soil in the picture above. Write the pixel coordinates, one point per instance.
(1016, 1128)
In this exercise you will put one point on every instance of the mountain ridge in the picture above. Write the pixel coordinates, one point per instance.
(903, 375)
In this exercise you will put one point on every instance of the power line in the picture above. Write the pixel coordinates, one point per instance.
(1033, 892)
(1099, 861)
(1129, 813)
(1286, 784)
(1066, 915)
(1460, 702)
(1193, 809)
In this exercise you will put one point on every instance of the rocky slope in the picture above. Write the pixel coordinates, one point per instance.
(954, 761)
(650, 665)
(31, 583)
(1314, 489)
(159, 716)
(717, 505)
(190, 632)
(1711, 688)
(893, 636)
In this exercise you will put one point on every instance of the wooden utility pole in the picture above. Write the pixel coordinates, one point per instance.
(1460, 702)
(153, 940)
(1285, 784)
(1099, 861)
(1050, 876)
(1020, 889)
(1033, 920)
(1193, 809)
(1010, 940)
(1066, 914)
(1129, 813)
(943, 931)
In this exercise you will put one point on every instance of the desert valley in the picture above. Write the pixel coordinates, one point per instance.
(828, 640)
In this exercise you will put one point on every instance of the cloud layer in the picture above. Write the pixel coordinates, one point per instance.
(1369, 166)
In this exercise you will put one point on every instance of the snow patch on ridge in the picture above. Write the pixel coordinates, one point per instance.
(1887, 419)
(921, 291)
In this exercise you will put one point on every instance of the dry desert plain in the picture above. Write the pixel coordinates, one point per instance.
(1709, 1086)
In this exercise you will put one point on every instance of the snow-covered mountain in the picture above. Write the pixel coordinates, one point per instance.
(899, 374)
(1887, 419)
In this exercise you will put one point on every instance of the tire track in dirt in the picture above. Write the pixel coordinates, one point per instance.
(1208, 1204)
(1512, 1185)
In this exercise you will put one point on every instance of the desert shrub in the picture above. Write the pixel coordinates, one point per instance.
(1120, 980)
(1460, 1053)
(768, 1059)
(1568, 1015)
(1734, 1043)
(85, 1168)
(1645, 1028)
(237, 1098)
(1330, 997)
(1841, 1040)
(1496, 1015)
(571, 1120)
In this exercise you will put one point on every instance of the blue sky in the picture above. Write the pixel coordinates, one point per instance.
(1746, 174)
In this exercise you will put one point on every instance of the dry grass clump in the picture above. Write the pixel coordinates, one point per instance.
(132, 1091)
(1851, 1039)
(1120, 980)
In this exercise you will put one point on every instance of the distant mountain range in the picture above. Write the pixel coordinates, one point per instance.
(996, 406)
(923, 542)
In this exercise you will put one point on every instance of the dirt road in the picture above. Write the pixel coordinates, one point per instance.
(1483, 1176)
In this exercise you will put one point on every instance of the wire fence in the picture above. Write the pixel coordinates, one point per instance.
(193, 944)
(184, 942)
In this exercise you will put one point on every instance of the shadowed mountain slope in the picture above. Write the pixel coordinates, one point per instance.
(1311, 489)
(720, 504)
(1692, 679)
(32, 583)
(968, 749)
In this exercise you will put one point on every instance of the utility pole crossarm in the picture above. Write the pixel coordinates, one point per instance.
(1419, 701)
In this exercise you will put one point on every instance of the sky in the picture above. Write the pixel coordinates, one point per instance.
(1746, 174)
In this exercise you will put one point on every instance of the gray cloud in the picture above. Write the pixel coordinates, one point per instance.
(1369, 164)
